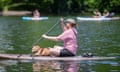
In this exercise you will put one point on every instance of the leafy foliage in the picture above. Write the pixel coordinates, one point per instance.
(61, 6)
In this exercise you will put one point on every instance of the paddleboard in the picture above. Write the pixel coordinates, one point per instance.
(97, 19)
(32, 18)
(29, 57)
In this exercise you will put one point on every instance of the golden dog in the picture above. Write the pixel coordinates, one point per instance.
(40, 51)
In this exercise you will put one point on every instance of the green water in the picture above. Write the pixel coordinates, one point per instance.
(98, 37)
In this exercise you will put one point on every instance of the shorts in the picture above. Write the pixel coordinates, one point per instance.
(65, 53)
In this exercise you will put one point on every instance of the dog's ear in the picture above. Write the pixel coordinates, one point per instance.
(34, 49)
(37, 46)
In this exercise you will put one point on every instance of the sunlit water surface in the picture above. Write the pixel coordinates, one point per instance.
(102, 38)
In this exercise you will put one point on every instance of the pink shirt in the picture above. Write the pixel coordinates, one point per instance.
(70, 40)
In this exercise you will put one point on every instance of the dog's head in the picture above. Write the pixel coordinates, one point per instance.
(35, 48)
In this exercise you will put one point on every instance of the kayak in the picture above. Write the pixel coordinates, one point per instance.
(29, 57)
(97, 19)
(32, 18)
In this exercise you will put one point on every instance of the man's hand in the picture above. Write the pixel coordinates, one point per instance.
(61, 19)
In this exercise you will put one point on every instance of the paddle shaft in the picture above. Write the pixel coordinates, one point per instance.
(36, 42)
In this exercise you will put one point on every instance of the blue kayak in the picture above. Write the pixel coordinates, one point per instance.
(97, 19)
(32, 18)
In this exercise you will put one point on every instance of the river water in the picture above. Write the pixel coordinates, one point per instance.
(102, 38)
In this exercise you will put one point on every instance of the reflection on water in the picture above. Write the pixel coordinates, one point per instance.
(55, 66)
(39, 66)
(58, 66)
(48, 66)
(70, 66)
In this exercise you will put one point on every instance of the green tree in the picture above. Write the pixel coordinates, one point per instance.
(4, 4)
(61, 6)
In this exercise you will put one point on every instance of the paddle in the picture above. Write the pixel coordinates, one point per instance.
(36, 42)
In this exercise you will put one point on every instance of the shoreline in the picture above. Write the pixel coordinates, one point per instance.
(15, 13)
(22, 13)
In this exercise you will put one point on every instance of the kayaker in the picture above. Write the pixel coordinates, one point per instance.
(69, 37)
(97, 14)
(36, 14)
(108, 14)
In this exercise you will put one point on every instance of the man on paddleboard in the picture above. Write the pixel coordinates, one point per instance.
(69, 38)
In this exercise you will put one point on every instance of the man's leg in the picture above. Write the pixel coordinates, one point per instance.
(55, 51)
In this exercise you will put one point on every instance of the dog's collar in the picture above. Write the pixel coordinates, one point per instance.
(39, 49)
